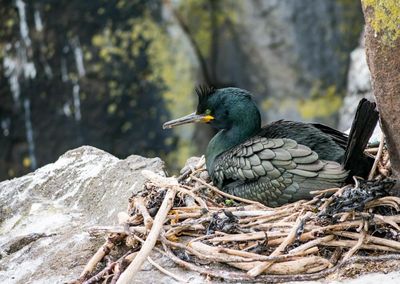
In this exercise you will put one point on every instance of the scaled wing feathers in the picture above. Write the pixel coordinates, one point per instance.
(274, 169)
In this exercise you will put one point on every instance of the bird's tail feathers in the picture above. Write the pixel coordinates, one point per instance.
(361, 130)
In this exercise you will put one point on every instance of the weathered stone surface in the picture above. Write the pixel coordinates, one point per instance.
(299, 61)
(119, 71)
(358, 86)
(45, 215)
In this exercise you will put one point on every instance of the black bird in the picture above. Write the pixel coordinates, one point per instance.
(282, 161)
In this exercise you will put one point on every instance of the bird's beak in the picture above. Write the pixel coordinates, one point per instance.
(190, 118)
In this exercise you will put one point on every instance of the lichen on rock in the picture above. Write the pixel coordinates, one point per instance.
(385, 19)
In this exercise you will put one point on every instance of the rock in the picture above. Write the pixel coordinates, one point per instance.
(358, 86)
(294, 58)
(91, 106)
(45, 215)
(190, 164)
(290, 54)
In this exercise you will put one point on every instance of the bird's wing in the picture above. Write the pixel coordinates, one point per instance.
(339, 137)
(274, 169)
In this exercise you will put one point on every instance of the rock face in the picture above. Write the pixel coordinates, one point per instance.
(45, 215)
(76, 73)
(358, 86)
(294, 55)
(61, 92)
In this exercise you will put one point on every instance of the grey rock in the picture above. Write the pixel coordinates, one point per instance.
(289, 51)
(45, 215)
(190, 164)
(358, 87)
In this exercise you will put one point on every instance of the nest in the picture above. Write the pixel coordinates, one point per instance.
(219, 235)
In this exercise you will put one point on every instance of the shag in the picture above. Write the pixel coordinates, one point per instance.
(283, 161)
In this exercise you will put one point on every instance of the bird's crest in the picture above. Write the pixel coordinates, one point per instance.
(203, 92)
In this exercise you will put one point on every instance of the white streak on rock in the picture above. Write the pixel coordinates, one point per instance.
(38, 21)
(23, 25)
(77, 102)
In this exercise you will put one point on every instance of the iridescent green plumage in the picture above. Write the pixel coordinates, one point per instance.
(281, 162)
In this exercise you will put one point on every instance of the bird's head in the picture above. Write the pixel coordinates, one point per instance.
(222, 109)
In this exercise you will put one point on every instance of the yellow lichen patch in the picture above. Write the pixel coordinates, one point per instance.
(173, 62)
(322, 104)
(26, 162)
(170, 63)
(267, 104)
(385, 19)
(351, 23)
(200, 18)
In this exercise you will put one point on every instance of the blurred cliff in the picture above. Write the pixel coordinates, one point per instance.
(108, 73)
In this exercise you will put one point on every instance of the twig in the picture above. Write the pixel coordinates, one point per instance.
(307, 264)
(350, 244)
(330, 199)
(96, 278)
(263, 219)
(372, 150)
(377, 157)
(247, 237)
(98, 256)
(288, 240)
(310, 244)
(159, 180)
(195, 197)
(328, 190)
(370, 239)
(147, 219)
(121, 264)
(230, 255)
(133, 268)
(213, 188)
(357, 246)
(128, 257)
(387, 221)
(165, 271)
(101, 230)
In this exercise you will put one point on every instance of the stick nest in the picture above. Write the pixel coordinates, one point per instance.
(208, 231)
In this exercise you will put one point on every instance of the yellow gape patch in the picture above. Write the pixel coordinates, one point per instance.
(207, 118)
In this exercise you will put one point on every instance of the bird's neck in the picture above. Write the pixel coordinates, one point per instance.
(226, 139)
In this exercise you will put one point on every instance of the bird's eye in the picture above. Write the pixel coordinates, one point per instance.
(208, 111)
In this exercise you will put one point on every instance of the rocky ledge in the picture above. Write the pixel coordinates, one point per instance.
(45, 215)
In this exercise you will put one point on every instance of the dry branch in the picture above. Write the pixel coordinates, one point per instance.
(98, 256)
(134, 267)
(165, 271)
(148, 221)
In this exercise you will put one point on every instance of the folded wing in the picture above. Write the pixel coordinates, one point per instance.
(274, 171)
